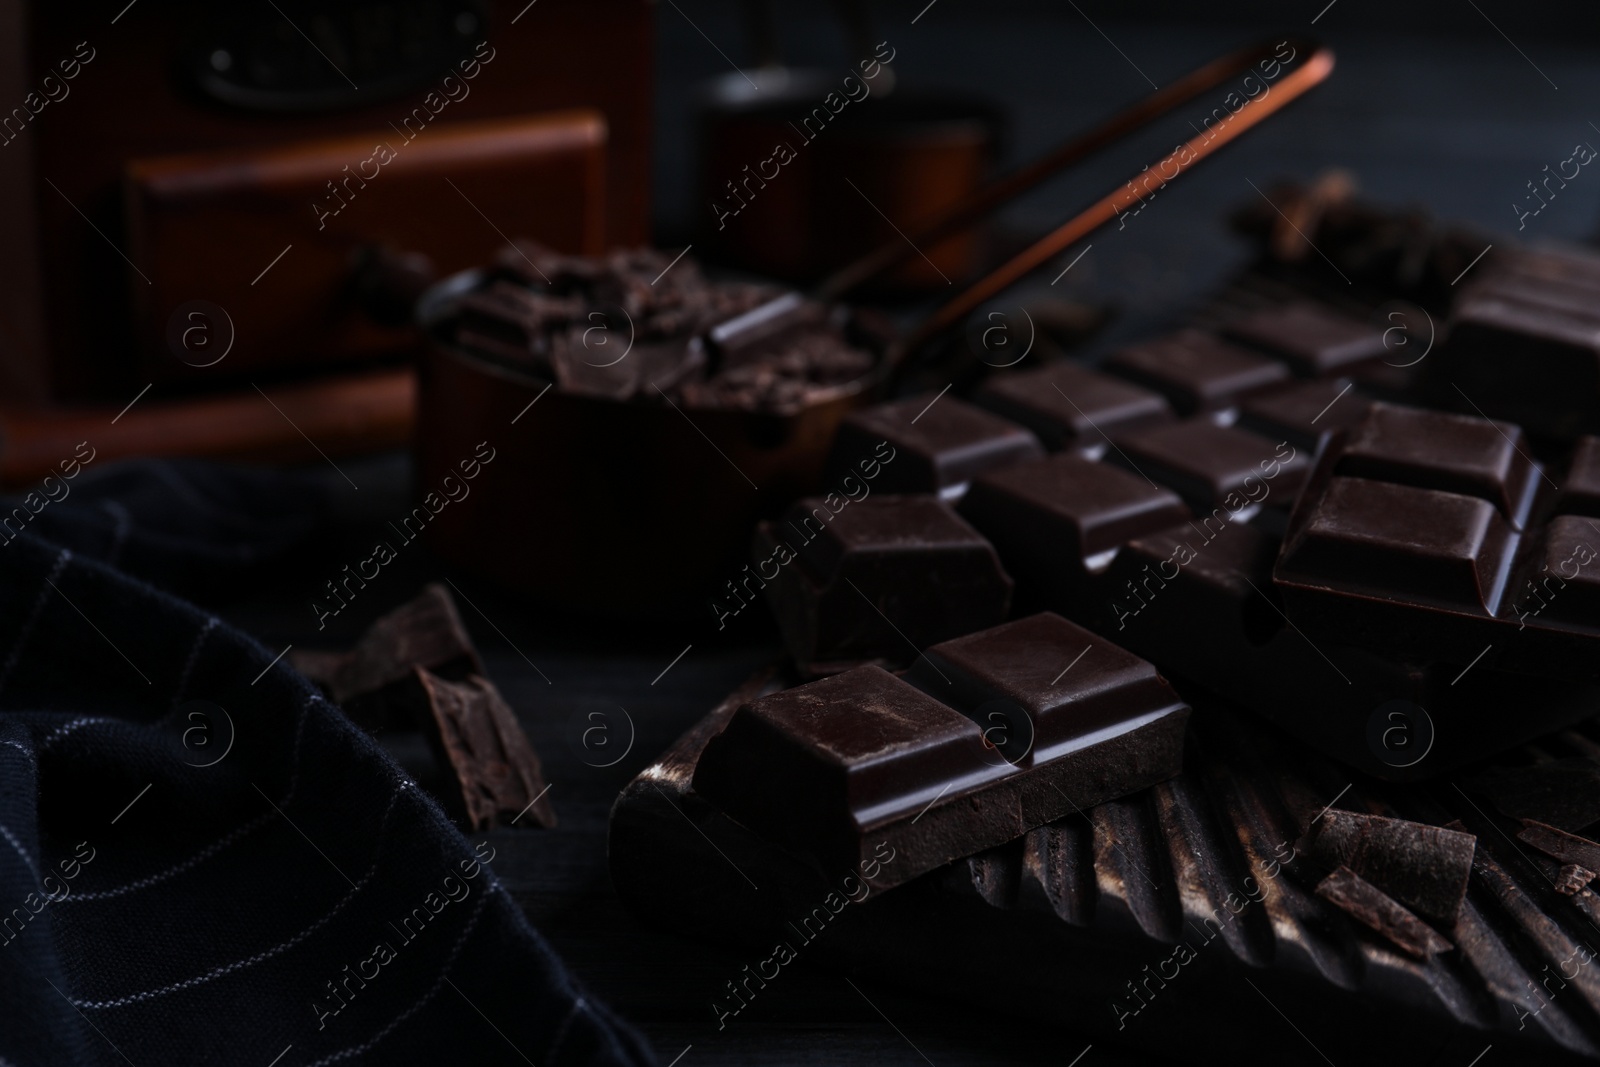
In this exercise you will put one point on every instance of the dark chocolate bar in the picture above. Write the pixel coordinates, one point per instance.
(1420, 534)
(939, 443)
(1002, 731)
(1112, 546)
(879, 580)
(1157, 913)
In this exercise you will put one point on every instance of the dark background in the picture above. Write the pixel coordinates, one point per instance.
(1430, 105)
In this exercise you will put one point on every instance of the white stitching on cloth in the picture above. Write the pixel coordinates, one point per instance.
(265, 954)
(433, 991)
(33, 616)
(20, 747)
(222, 842)
(85, 720)
(171, 872)
(188, 664)
(560, 1036)
(119, 533)
(6, 833)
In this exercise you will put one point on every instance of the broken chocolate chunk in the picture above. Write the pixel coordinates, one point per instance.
(1423, 867)
(1573, 878)
(1371, 906)
(424, 632)
(494, 768)
(1558, 844)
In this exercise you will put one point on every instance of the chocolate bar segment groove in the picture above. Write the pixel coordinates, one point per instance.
(840, 767)
(1071, 407)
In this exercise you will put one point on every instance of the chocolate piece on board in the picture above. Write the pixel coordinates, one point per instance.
(1558, 844)
(844, 768)
(1371, 906)
(1424, 867)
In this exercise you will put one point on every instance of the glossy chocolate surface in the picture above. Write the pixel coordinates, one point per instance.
(1071, 406)
(1017, 672)
(962, 760)
(1304, 413)
(1213, 466)
(938, 442)
(1436, 536)
(1313, 339)
(1449, 453)
(880, 579)
(1196, 371)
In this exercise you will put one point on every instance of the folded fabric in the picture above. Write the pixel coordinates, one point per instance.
(201, 859)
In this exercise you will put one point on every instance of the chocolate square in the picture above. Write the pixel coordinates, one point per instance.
(1056, 521)
(1377, 538)
(1450, 453)
(1196, 371)
(1304, 413)
(1313, 339)
(1215, 466)
(1043, 684)
(939, 442)
(881, 579)
(1072, 407)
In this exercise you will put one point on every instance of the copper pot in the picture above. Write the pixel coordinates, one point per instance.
(836, 191)
(600, 507)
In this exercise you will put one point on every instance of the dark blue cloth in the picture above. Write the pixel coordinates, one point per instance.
(246, 881)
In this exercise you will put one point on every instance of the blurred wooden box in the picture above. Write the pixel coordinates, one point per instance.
(262, 235)
(167, 77)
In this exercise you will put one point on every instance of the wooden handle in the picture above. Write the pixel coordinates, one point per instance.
(1317, 66)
